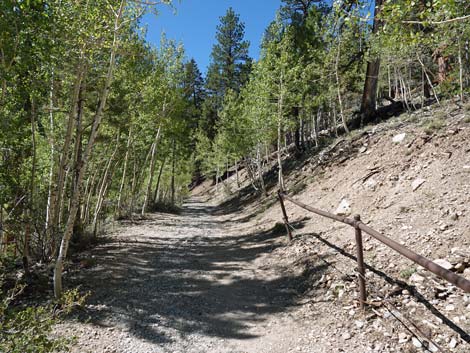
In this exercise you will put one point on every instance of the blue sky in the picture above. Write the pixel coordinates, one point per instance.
(195, 23)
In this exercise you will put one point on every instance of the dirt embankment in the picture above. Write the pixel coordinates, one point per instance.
(221, 276)
(410, 179)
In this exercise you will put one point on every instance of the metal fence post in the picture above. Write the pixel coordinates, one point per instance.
(360, 263)
(284, 213)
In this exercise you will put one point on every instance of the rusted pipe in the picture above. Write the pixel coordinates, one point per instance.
(361, 271)
(284, 213)
(438, 270)
(341, 219)
(449, 276)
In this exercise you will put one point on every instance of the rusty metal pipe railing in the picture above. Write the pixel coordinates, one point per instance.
(361, 269)
(431, 266)
(284, 214)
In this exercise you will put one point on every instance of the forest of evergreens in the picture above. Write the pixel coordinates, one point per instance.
(96, 124)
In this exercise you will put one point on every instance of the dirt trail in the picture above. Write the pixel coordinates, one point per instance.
(187, 283)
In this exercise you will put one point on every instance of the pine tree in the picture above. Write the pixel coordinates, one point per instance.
(230, 60)
(229, 68)
(193, 85)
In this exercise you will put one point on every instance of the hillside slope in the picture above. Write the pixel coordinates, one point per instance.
(408, 178)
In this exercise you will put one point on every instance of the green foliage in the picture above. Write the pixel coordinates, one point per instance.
(407, 272)
(434, 125)
(29, 328)
(164, 125)
(229, 68)
(230, 60)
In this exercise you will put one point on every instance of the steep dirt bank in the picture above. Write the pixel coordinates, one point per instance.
(409, 178)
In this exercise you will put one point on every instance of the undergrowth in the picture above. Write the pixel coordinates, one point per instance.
(27, 327)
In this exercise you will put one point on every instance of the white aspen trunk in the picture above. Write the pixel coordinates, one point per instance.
(141, 175)
(86, 206)
(250, 174)
(460, 71)
(422, 88)
(61, 203)
(408, 87)
(340, 101)
(334, 122)
(224, 181)
(56, 196)
(395, 80)
(52, 152)
(78, 153)
(58, 290)
(303, 140)
(403, 91)
(173, 174)
(124, 171)
(152, 171)
(389, 82)
(30, 208)
(133, 187)
(279, 133)
(2, 233)
(266, 153)
(156, 194)
(165, 192)
(237, 176)
(316, 122)
(428, 79)
(260, 170)
(103, 188)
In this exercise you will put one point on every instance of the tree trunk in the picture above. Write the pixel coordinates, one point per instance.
(280, 108)
(173, 174)
(56, 196)
(279, 158)
(156, 194)
(368, 102)
(297, 143)
(250, 173)
(315, 122)
(260, 171)
(428, 79)
(133, 188)
(2, 233)
(78, 228)
(88, 151)
(152, 171)
(30, 209)
(237, 176)
(103, 188)
(124, 171)
(460, 70)
(52, 155)
(88, 193)
(338, 87)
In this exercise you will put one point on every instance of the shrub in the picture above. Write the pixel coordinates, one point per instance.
(28, 328)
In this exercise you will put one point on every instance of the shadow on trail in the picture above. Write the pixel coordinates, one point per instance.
(166, 286)
(396, 282)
